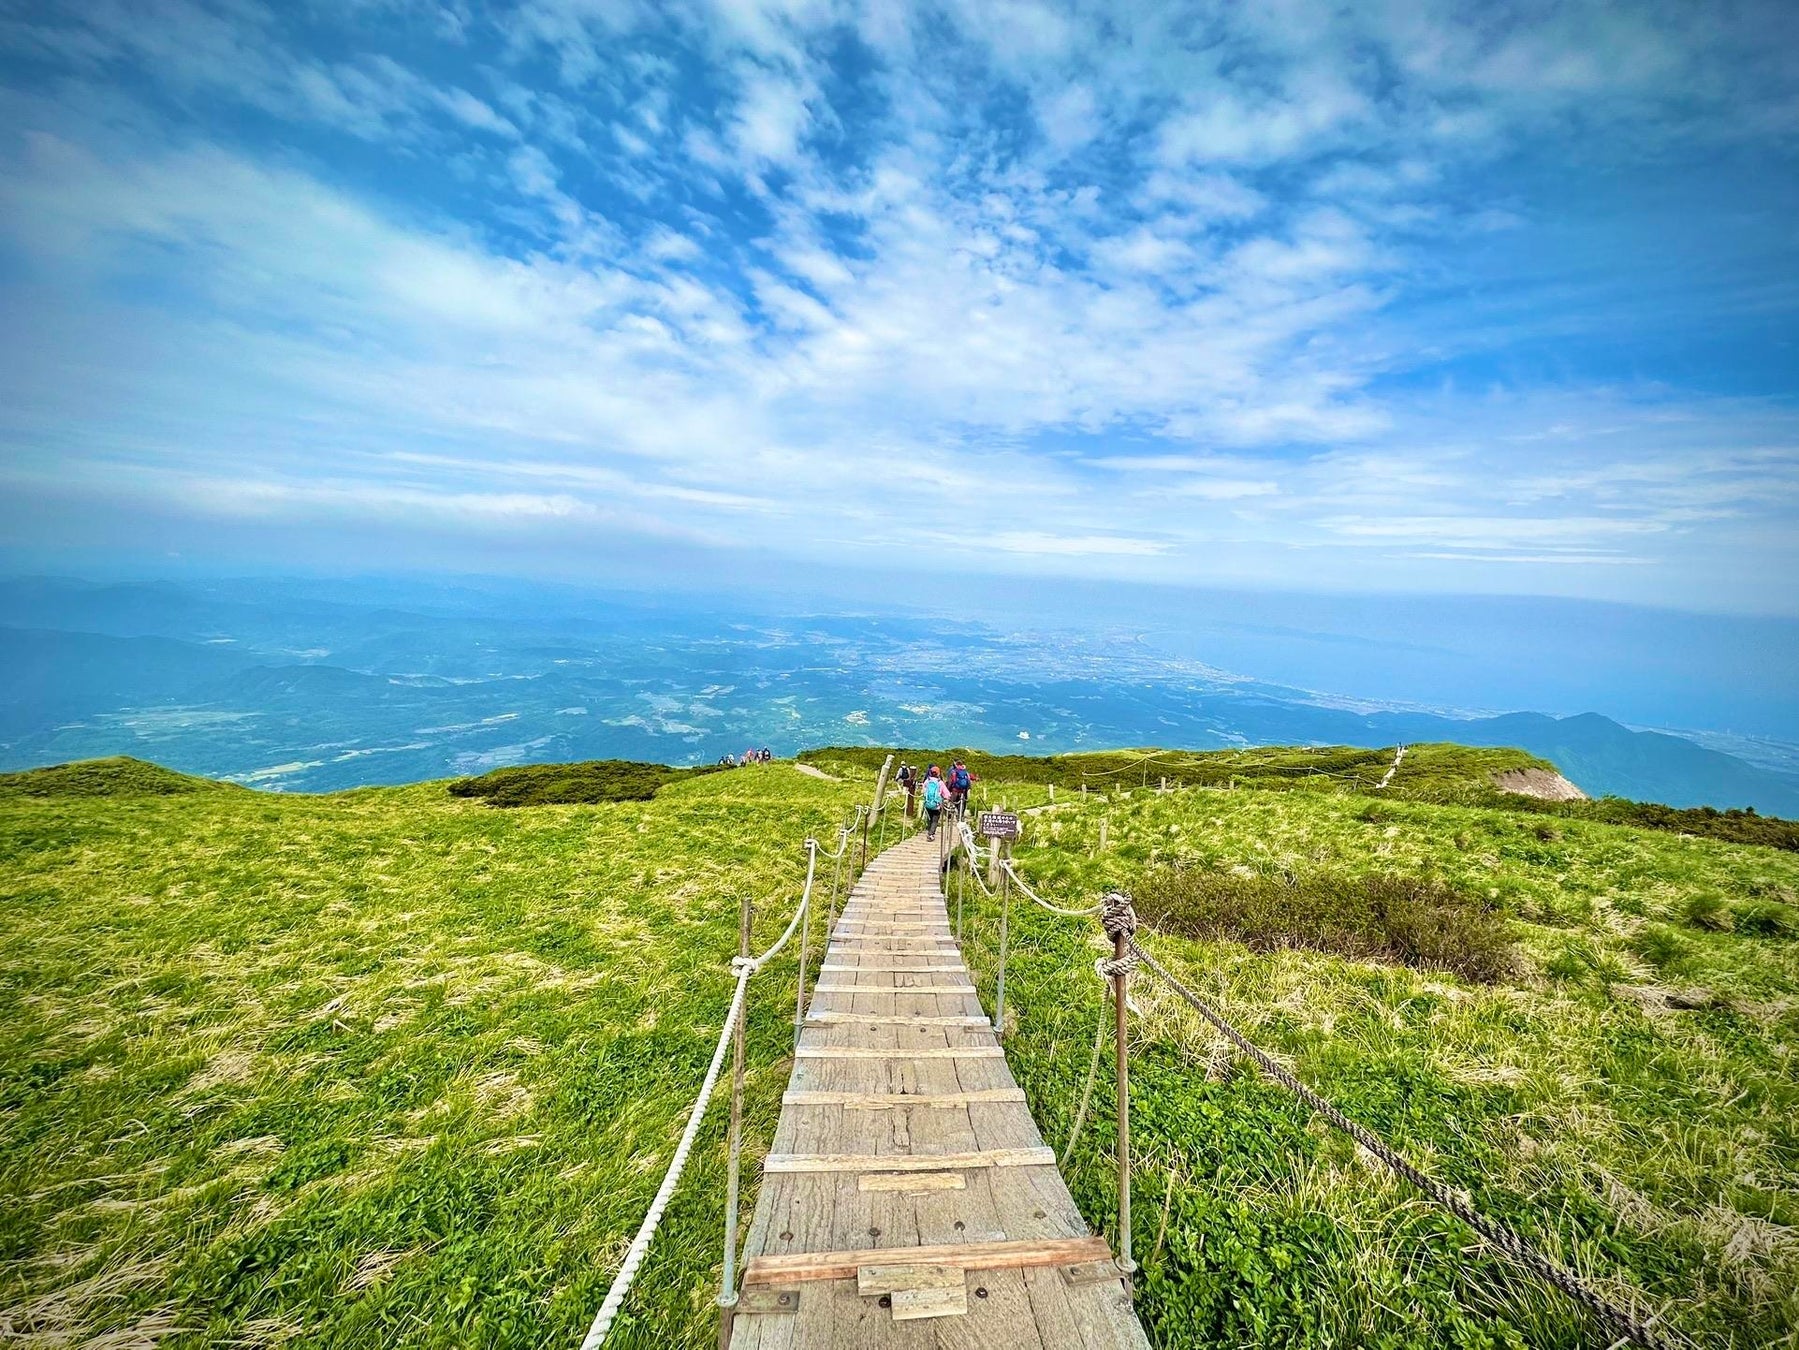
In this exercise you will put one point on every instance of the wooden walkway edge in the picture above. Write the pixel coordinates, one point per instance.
(908, 1199)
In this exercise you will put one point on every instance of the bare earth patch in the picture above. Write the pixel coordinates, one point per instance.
(1551, 787)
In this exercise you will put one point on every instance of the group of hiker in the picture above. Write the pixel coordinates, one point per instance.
(940, 792)
(762, 756)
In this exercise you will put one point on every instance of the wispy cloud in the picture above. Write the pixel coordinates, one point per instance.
(1140, 292)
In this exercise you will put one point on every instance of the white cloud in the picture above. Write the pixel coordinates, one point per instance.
(771, 118)
(713, 296)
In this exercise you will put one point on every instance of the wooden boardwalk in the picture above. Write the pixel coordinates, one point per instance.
(908, 1199)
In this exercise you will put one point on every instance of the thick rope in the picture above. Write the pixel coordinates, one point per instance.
(743, 967)
(1616, 1320)
(971, 852)
(1091, 911)
(640, 1245)
(1126, 768)
(1099, 1040)
(1119, 919)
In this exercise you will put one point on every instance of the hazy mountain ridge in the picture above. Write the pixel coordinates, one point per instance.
(308, 694)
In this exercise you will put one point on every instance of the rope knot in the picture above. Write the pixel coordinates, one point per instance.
(1116, 915)
(740, 964)
(1109, 968)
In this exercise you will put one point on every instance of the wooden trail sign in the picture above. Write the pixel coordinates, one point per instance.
(999, 825)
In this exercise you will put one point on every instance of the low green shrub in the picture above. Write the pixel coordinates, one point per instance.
(1408, 920)
(1660, 946)
(1705, 822)
(1705, 910)
(1762, 919)
(592, 780)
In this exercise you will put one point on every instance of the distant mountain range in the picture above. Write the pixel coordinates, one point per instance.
(274, 685)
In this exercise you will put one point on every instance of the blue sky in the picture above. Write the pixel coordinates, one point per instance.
(1410, 297)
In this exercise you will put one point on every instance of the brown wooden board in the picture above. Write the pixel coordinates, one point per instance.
(899, 1105)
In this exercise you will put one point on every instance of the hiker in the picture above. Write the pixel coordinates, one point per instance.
(960, 780)
(935, 794)
(908, 780)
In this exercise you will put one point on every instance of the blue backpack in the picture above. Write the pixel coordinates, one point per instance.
(933, 793)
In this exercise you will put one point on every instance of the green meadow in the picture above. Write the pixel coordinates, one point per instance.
(402, 1067)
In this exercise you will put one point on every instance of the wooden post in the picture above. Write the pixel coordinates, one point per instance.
(843, 847)
(1122, 1035)
(1103, 823)
(799, 998)
(1005, 933)
(1052, 794)
(727, 1294)
(961, 886)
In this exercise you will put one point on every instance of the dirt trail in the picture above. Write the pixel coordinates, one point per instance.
(1393, 768)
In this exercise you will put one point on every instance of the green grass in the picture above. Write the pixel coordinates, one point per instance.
(120, 776)
(391, 1067)
(1627, 1097)
(1392, 917)
(581, 784)
(379, 1068)
(1441, 774)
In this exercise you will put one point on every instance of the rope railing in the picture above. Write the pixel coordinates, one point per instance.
(1119, 921)
(1619, 1322)
(744, 967)
(1090, 912)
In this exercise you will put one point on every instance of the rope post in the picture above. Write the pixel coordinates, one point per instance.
(799, 998)
(843, 840)
(727, 1291)
(1120, 921)
(961, 887)
(1005, 936)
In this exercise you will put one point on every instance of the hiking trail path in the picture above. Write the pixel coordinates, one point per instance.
(908, 1199)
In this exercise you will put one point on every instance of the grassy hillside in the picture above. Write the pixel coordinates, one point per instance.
(120, 776)
(386, 1067)
(1439, 773)
(393, 1067)
(1626, 1095)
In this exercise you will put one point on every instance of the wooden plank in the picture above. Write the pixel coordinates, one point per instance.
(895, 1019)
(895, 989)
(914, 1305)
(921, 1052)
(801, 1267)
(881, 1101)
(916, 1292)
(909, 1116)
(873, 1281)
(908, 1162)
(911, 1183)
